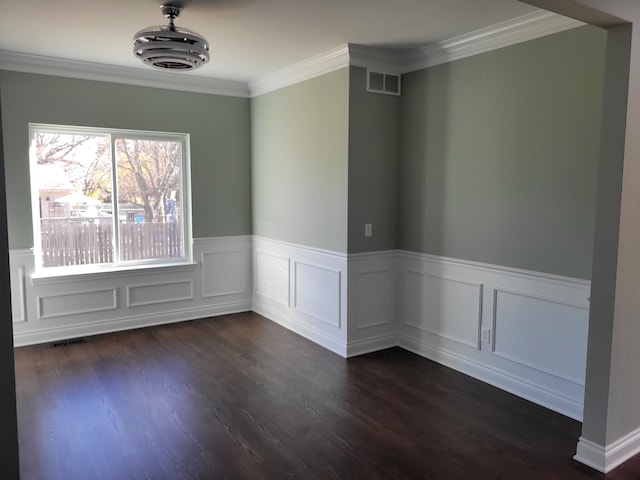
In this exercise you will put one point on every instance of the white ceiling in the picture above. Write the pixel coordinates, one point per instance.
(249, 38)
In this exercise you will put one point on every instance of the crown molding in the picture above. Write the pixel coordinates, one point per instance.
(61, 67)
(389, 60)
(397, 61)
(298, 72)
(520, 29)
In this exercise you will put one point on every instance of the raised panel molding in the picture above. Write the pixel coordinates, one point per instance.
(77, 303)
(317, 292)
(523, 309)
(159, 292)
(272, 277)
(18, 299)
(448, 307)
(373, 297)
(372, 306)
(312, 295)
(88, 304)
(223, 273)
(522, 327)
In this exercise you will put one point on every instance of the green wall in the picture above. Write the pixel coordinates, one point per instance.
(299, 162)
(500, 155)
(218, 125)
(374, 151)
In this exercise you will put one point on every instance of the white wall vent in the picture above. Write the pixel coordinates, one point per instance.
(379, 82)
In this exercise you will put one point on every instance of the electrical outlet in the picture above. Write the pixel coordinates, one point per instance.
(368, 229)
(485, 335)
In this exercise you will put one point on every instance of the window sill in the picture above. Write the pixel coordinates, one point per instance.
(57, 275)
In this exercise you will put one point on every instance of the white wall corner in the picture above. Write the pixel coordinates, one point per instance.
(526, 27)
(313, 67)
(605, 459)
(20, 62)
(303, 289)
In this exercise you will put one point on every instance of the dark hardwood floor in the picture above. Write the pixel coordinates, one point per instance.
(239, 397)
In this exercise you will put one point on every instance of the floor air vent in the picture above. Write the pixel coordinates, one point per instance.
(64, 343)
(379, 82)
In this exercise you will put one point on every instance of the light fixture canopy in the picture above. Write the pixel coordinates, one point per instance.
(168, 47)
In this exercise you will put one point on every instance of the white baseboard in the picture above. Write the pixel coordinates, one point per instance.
(361, 347)
(520, 387)
(318, 337)
(605, 459)
(46, 335)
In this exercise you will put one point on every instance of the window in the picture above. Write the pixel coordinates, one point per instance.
(109, 197)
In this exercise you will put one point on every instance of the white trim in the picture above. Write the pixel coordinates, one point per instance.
(127, 323)
(18, 297)
(309, 332)
(203, 280)
(520, 29)
(517, 272)
(479, 286)
(314, 250)
(78, 311)
(61, 67)
(80, 316)
(296, 302)
(44, 277)
(329, 331)
(384, 60)
(605, 459)
(517, 30)
(500, 379)
(369, 345)
(129, 294)
(298, 72)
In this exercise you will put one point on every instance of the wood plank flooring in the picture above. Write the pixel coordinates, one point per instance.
(239, 397)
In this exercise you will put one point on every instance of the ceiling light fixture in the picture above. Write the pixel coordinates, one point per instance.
(168, 47)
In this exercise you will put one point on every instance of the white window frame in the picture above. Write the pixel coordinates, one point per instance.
(117, 264)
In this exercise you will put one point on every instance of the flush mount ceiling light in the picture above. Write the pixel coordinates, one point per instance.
(168, 47)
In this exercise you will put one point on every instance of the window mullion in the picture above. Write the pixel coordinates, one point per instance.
(114, 201)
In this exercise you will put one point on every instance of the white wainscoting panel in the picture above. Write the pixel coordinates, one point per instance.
(351, 304)
(18, 296)
(224, 273)
(524, 322)
(372, 302)
(537, 326)
(302, 289)
(77, 303)
(80, 305)
(273, 275)
(317, 292)
(159, 292)
(448, 307)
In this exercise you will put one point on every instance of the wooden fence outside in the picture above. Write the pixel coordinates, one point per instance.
(67, 242)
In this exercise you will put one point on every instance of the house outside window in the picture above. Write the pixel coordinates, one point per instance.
(109, 198)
